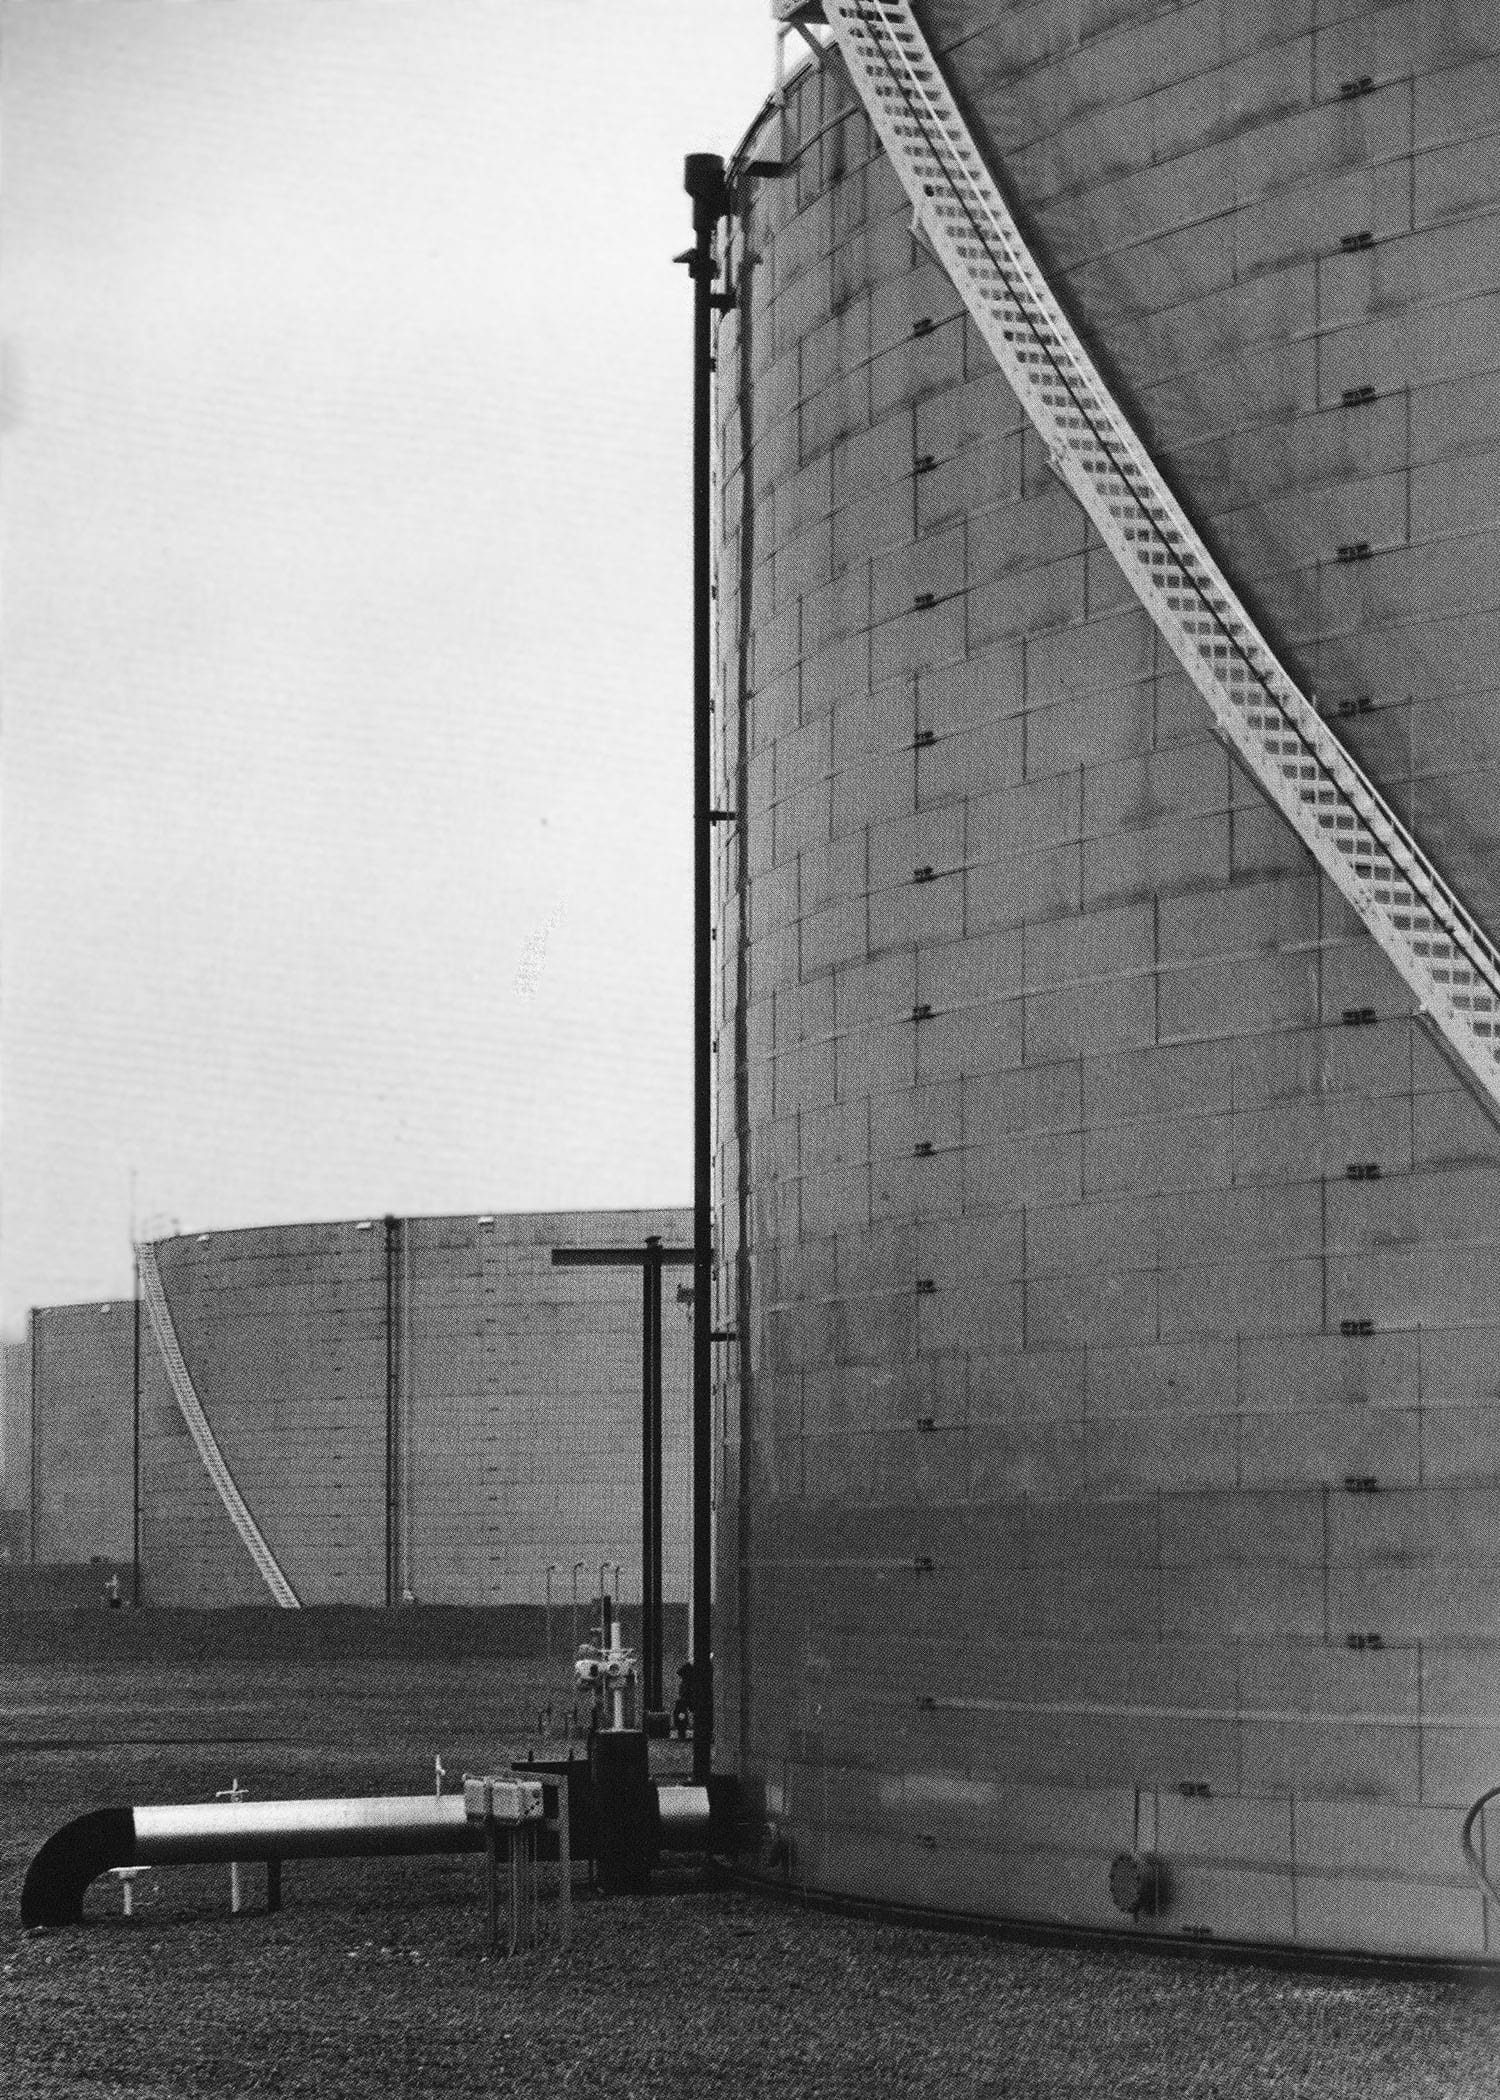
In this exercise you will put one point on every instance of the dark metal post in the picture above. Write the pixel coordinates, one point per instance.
(654, 1699)
(392, 1229)
(490, 1865)
(703, 178)
(650, 1296)
(135, 1437)
(36, 1338)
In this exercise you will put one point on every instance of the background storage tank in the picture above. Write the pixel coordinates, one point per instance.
(1111, 1462)
(422, 1406)
(443, 1365)
(65, 1459)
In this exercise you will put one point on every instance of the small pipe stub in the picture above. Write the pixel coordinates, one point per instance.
(1138, 1884)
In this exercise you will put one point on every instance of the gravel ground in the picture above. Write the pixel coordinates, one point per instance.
(375, 1979)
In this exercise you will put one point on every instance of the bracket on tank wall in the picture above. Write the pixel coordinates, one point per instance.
(801, 16)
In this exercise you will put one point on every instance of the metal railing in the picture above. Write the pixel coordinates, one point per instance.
(201, 1432)
(1338, 813)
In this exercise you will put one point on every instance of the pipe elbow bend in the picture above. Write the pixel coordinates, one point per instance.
(71, 1858)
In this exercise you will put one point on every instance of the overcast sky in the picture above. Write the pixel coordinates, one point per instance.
(346, 645)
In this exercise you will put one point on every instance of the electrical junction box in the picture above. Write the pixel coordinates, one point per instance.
(509, 1801)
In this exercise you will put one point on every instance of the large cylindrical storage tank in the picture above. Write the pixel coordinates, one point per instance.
(420, 1409)
(72, 1437)
(1111, 1453)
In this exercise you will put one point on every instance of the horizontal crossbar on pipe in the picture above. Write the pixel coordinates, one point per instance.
(619, 1257)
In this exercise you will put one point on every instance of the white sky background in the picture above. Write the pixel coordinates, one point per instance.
(346, 643)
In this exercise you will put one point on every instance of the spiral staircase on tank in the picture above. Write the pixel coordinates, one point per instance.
(1339, 814)
(201, 1431)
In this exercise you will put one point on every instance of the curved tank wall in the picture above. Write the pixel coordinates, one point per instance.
(1113, 1463)
(513, 1390)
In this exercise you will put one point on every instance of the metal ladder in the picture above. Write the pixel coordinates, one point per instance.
(1335, 809)
(202, 1434)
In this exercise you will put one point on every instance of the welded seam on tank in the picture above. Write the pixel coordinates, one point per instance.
(1122, 1709)
(201, 1431)
(893, 35)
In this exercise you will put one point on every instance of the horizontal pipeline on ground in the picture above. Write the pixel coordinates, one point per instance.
(199, 1833)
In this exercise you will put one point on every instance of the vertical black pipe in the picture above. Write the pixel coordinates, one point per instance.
(743, 1295)
(703, 179)
(653, 1659)
(392, 1229)
(135, 1440)
(36, 1342)
(650, 1274)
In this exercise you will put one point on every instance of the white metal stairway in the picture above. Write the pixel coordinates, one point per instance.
(202, 1434)
(1339, 814)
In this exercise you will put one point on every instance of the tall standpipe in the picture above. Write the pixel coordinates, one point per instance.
(704, 180)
